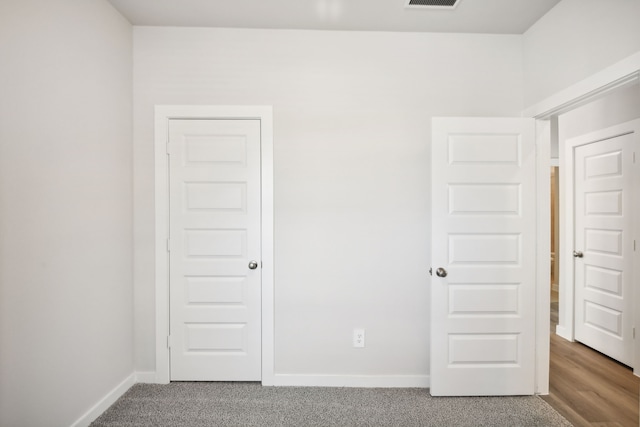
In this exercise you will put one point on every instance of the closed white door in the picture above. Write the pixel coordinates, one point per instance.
(483, 257)
(215, 294)
(603, 247)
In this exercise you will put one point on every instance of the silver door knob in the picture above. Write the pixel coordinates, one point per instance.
(578, 254)
(253, 265)
(441, 272)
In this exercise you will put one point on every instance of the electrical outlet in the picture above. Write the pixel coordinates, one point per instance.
(358, 338)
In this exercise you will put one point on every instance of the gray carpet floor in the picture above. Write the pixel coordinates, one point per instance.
(250, 404)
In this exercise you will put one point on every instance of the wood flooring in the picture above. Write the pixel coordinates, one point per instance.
(588, 388)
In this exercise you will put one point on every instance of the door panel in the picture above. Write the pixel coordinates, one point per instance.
(603, 163)
(214, 169)
(483, 235)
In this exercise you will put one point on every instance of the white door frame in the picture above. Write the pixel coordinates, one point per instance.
(164, 113)
(543, 267)
(623, 73)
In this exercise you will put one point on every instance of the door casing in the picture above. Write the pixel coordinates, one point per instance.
(621, 74)
(163, 114)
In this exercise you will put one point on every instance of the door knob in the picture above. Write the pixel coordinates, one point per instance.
(430, 271)
(441, 272)
(253, 265)
(578, 254)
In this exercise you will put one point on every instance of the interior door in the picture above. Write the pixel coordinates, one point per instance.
(603, 247)
(215, 295)
(483, 257)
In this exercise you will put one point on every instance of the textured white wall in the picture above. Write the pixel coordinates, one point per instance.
(65, 208)
(576, 39)
(352, 115)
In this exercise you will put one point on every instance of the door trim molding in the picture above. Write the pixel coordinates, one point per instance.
(543, 270)
(164, 113)
(621, 74)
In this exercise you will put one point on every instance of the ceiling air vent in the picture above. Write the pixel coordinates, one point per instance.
(432, 4)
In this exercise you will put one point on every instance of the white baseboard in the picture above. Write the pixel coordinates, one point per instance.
(301, 380)
(105, 402)
(146, 377)
(369, 381)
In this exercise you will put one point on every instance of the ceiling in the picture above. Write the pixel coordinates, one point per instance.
(470, 16)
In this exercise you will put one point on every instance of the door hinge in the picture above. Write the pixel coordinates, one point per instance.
(634, 333)
(168, 341)
(168, 245)
(634, 246)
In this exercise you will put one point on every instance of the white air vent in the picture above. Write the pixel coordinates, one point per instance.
(431, 4)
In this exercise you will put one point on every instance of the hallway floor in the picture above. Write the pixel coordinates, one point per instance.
(589, 388)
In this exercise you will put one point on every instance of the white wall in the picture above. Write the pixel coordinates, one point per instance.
(65, 208)
(621, 105)
(617, 107)
(352, 117)
(576, 39)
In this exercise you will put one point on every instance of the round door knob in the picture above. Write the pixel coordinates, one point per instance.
(253, 265)
(441, 272)
(578, 254)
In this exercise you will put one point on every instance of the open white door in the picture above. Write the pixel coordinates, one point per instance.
(483, 257)
(603, 239)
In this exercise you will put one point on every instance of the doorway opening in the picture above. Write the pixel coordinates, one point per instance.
(618, 106)
(590, 373)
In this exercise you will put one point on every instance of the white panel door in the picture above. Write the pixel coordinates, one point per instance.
(603, 247)
(215, 294)
(483, 239)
